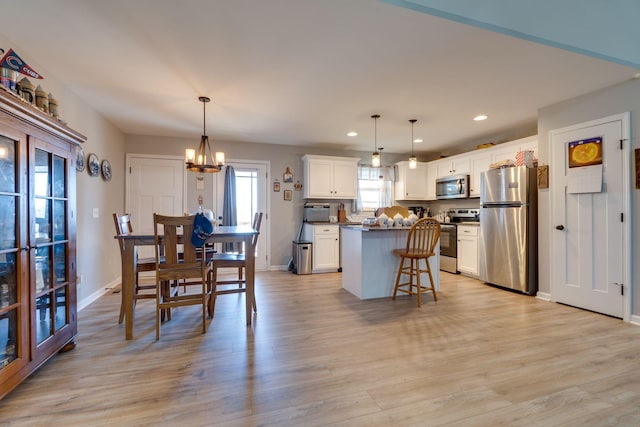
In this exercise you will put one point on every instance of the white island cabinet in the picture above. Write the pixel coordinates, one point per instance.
(328, 177)
(369, 267)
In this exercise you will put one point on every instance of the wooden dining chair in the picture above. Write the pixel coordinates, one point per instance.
(178, 259)
(140, 291)
(230, 260)
(421, 244)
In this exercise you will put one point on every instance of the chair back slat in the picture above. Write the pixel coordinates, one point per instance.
(173, 239)
(257, 221)
(423, 236)
(123, 227)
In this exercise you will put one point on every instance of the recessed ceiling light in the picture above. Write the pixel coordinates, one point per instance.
(480, 117)
(352, 133)
(417, 140)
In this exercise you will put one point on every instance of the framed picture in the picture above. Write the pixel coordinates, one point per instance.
(276, 185)
(106, 170)
(93, 165)
(288, 195)
(586, 152)
(79, 159)
(288, 175)
(297, 186)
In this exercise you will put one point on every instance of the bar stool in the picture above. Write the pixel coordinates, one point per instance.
(421, 244)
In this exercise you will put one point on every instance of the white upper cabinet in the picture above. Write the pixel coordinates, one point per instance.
(432, 174)
(479, 162)
(328, 177)
(411, 184)
(455, 165)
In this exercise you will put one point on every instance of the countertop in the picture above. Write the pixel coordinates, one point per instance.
(375, 228)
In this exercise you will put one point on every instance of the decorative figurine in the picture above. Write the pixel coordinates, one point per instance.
(27, 90)
(42, 99)
(53, 106)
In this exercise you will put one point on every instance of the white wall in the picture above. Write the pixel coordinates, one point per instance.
(605, 102)
(98, 259)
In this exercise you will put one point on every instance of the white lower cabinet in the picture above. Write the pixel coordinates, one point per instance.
(325, 255)
(468, 250)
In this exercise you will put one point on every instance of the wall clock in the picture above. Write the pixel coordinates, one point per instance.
(93, 165)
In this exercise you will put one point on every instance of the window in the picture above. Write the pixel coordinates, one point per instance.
(375, 188)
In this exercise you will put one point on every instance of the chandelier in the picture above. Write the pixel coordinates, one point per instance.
(196, 160)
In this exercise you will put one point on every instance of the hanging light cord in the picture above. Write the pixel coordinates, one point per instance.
(412, 122)
(204, 118)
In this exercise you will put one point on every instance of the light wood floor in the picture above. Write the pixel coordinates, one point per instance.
(479, 356)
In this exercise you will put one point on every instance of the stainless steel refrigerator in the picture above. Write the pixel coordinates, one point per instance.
(508, 228)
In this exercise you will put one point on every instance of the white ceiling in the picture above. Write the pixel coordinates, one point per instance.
(302, 72)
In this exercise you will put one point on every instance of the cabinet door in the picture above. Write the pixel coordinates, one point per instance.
(453, 166)
(479, 164)
(320, 179)
(345, 180)
(325, 252)
(432, 175)
(14, 274)
(411, 183)
(468, 250)
(52, 237)
(461, 165)
(444, 168)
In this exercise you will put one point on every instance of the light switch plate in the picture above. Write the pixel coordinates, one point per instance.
(96, 212)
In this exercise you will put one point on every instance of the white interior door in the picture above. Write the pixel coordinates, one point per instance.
(590, 247)
(155, 184)
(252, 195)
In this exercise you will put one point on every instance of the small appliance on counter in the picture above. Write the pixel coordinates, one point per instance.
(316, 213)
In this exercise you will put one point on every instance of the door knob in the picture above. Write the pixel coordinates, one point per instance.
(559, 227)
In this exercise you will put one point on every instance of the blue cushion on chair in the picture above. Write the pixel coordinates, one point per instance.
(202, 228)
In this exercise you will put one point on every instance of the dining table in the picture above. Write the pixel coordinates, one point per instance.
(220, 234)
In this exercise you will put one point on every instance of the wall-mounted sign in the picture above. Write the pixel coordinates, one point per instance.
(586, 152)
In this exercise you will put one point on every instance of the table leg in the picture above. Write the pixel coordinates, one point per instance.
(250, 273)
(128, 279)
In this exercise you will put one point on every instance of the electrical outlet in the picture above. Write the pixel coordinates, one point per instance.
(96, 213)
(79, 279)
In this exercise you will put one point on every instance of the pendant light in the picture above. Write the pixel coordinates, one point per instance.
(375, 157)
(413, 160)
(196, 161)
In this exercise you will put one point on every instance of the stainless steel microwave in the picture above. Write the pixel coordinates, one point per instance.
(452, 187)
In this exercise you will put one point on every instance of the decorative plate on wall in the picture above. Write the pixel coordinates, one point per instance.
(106, 170)
(93, 165)
(79, 159)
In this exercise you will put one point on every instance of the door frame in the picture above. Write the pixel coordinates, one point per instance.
(265, 238)
(127, 179)
(624, 118)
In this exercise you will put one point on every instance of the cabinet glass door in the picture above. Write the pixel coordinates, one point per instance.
(50, 234)
(13, 337)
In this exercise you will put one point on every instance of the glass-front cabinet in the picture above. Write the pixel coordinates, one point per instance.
(37, 239)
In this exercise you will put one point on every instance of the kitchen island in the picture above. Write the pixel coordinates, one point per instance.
(369, 267)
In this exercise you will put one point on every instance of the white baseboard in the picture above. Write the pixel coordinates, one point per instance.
(97, 294)
(635, 320)
(278, 268)
(543, 296)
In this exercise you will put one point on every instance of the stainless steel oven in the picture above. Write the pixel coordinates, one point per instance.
(449, 247)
